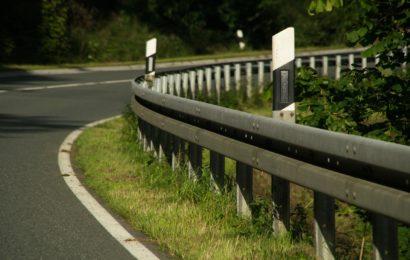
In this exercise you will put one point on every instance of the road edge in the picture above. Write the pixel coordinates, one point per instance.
(114, 228)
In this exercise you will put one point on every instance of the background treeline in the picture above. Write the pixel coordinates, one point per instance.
(55, 31)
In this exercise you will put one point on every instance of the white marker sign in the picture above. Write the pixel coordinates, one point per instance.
(150, 52)
(151, 47)
(283, 48)
(283, 71)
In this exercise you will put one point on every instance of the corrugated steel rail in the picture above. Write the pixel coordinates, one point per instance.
(368, 173)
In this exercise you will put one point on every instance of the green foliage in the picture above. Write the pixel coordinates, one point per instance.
(19, 37)
(373, 106)
(54, 32)
(404, 241)
(319, 6)
(122, 38)
(375, 100)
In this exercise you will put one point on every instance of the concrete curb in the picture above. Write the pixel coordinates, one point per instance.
(128, 241)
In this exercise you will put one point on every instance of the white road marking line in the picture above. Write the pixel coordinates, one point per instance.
(128, 241)
(74, 85)
(71, 85)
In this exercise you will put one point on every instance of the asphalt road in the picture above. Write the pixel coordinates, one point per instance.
(40, 218)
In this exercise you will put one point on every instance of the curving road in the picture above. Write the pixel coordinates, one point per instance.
(40, 218)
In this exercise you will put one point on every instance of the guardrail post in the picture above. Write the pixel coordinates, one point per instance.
(208, 75)
(325, 65)
(192, 85)
(218, 83)
(281, 205)
(261, 73)
(176, 152)
(145, 140)
(338, 66)
(150, 135)
(155, 147)
(217, 168)
(385, 237)
(244, 184)
(157, 83)
(178, 84)
(298, 62)
(227, 77)
(283, 70)
(160, 145)
(139, 130)
(171, 84)
(163, 144)
(194, 161)
(201, 81)
(324, 226)
(141, 133)
(164, 84)
(364, 62)
(150, 53)
(351, 61)
(312, 62)
(185, 83)
(237, 76)
(167, 148)
(249, 79)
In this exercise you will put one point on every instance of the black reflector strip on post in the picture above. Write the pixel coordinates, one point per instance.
(284, 81)
(150, 64)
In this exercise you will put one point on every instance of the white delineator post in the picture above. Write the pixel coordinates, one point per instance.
(239, 34)
(283, 71)
(150, 53)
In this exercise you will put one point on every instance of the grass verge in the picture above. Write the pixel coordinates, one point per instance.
(187, 218)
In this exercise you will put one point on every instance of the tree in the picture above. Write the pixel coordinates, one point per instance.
(383, 26)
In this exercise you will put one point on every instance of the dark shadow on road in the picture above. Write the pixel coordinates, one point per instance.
(28, 79)
(11, 125)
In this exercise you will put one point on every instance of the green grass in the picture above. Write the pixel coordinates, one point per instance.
(187, 218)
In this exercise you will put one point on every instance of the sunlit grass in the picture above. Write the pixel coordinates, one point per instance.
(185, 217)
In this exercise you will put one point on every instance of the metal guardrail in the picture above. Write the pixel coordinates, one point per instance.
(370, 174)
